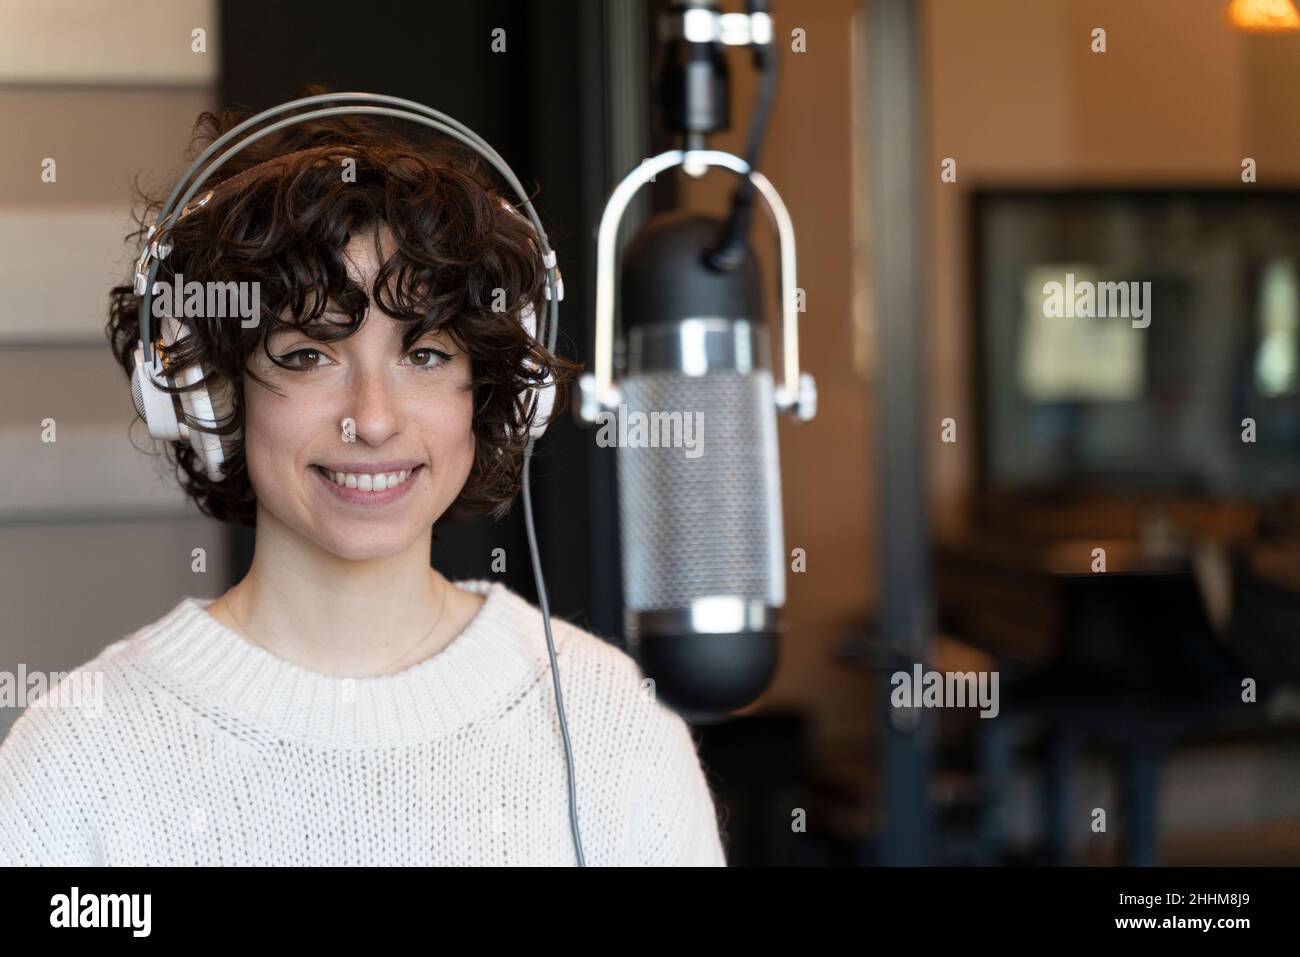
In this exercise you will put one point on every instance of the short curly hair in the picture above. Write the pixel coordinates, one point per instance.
(284, 220)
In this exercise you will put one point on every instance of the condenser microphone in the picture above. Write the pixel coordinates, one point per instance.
(699, 495)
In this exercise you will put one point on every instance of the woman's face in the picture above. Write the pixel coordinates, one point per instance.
(397, 424)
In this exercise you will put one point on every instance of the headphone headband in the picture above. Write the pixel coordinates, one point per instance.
(155, 249)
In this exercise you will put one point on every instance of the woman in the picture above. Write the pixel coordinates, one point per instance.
(345, 703)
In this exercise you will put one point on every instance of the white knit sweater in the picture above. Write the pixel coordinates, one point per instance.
(209, 750)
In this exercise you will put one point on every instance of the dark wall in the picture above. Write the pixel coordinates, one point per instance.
(541, 104)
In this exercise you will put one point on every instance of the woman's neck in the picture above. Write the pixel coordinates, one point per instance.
(340, 617)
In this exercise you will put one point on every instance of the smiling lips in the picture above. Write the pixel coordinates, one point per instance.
(368, 481)
(377, 484)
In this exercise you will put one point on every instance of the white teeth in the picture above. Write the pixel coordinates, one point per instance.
(377, 482)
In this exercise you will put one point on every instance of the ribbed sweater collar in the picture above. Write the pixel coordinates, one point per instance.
(495, 655)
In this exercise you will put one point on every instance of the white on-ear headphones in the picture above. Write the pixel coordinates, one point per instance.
(158, 408)
(150, 377)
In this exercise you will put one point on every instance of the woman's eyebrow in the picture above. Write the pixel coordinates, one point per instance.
(310, 330)
(400, 330)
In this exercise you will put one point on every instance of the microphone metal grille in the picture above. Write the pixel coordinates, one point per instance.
(709, 525)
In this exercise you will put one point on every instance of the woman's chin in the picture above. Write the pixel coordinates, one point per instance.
(367, 544)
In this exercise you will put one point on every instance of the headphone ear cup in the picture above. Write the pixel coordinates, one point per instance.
(198, 405)
(158, 408)
(155, 406)
(540, 396)
(544, 397)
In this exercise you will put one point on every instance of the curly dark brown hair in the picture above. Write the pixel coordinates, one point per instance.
(283, 214)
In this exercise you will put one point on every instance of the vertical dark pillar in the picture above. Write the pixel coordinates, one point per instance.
(898, 215)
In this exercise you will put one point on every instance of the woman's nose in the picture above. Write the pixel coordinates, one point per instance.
(375, 408)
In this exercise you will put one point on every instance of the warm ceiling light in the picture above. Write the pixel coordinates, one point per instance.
(1263, 16)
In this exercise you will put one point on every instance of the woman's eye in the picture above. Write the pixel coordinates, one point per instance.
(428, 358)
(309, 358)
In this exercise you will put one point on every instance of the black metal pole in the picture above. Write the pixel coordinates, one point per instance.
(897, 218)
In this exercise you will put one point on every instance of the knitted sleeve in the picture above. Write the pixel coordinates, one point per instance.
(41, 819)
(676, 821)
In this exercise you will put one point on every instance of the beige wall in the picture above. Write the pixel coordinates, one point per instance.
(94, 543)
(1016, 95)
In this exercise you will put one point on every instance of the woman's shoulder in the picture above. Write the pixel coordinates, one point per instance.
(601, 680)
(674, 815)
(73, 701)
(577, 648)
(75, 727)
(80, 703)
